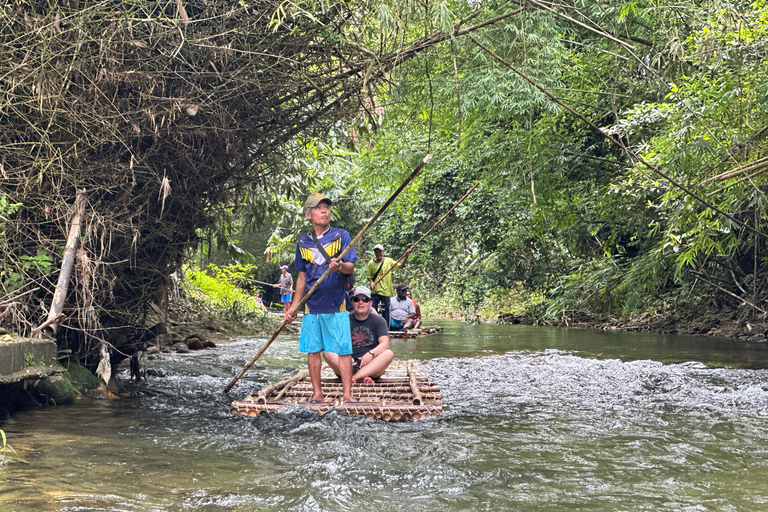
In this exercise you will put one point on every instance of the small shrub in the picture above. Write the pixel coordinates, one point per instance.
(7, 453)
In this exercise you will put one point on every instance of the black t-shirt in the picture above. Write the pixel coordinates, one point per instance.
(366, 334)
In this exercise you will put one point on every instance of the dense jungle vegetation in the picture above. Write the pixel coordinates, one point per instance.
(620, 149)
(647, 197)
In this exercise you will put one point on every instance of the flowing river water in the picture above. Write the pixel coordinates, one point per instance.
(535, 419)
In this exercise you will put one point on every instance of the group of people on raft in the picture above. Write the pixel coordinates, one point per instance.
(354, 344)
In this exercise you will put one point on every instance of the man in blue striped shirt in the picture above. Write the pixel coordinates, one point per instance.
(325, 324)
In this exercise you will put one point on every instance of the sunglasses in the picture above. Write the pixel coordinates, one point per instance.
(358, 299)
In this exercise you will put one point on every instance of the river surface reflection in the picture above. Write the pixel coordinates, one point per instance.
(535, 419)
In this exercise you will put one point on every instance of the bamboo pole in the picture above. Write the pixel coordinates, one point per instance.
(48, 322)
(67, 262)
(268, 284)
(282, 385)
(414, 384)
(757, 164)
(425, 234)
(328, 271)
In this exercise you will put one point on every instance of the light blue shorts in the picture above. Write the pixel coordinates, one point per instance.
(327, 332)
(286, 297)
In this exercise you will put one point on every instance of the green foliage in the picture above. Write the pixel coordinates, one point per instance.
(32, 268)
(7, 207)
(561, 210)
(7, 453)
(562, 213)
(510, 301)
(218, 296)
(221, 287)
(29, 360)
(40, 263)
(9, 280)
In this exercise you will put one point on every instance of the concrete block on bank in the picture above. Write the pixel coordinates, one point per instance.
(27, 358)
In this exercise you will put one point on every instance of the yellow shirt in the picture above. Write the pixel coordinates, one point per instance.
(385, 286)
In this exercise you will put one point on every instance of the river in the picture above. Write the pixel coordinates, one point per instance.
(535, 419)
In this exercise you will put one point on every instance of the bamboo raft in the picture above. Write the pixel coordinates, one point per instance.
(415, 333)
(403, 393)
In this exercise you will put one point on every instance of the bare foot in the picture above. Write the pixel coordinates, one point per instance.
(368, 380)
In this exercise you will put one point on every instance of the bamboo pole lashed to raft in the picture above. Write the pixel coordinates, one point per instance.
(414, 384)
(328, 270)
(283, 386)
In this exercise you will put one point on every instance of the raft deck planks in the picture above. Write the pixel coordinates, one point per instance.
(403, 393)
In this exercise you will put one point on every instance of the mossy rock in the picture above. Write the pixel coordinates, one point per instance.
(57, 390)
(81, 377)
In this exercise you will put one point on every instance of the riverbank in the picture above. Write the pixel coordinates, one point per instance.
(727, 323)
(736, 324)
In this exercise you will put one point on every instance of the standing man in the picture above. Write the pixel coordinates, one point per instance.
(325, 325)
(286, 287)
(377, 267)
(370, 340)
(403, 311)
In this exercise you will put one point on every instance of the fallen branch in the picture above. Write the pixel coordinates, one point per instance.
(67, 262)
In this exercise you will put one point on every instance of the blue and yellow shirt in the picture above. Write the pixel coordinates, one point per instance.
(330, 295)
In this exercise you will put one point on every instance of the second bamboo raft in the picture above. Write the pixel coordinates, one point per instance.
(415, 333)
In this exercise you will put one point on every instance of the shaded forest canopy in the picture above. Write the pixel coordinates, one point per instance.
(182, 117)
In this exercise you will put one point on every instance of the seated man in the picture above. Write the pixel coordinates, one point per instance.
(417, 318)
(401, 311)
(370, 340)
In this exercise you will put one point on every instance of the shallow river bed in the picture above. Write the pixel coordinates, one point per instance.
(535, 419)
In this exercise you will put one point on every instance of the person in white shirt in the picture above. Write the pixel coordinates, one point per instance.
(401, 311)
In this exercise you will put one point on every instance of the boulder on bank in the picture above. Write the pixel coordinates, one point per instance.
(57, 390)
(195, 341)
(194, 344)
(81, 377)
